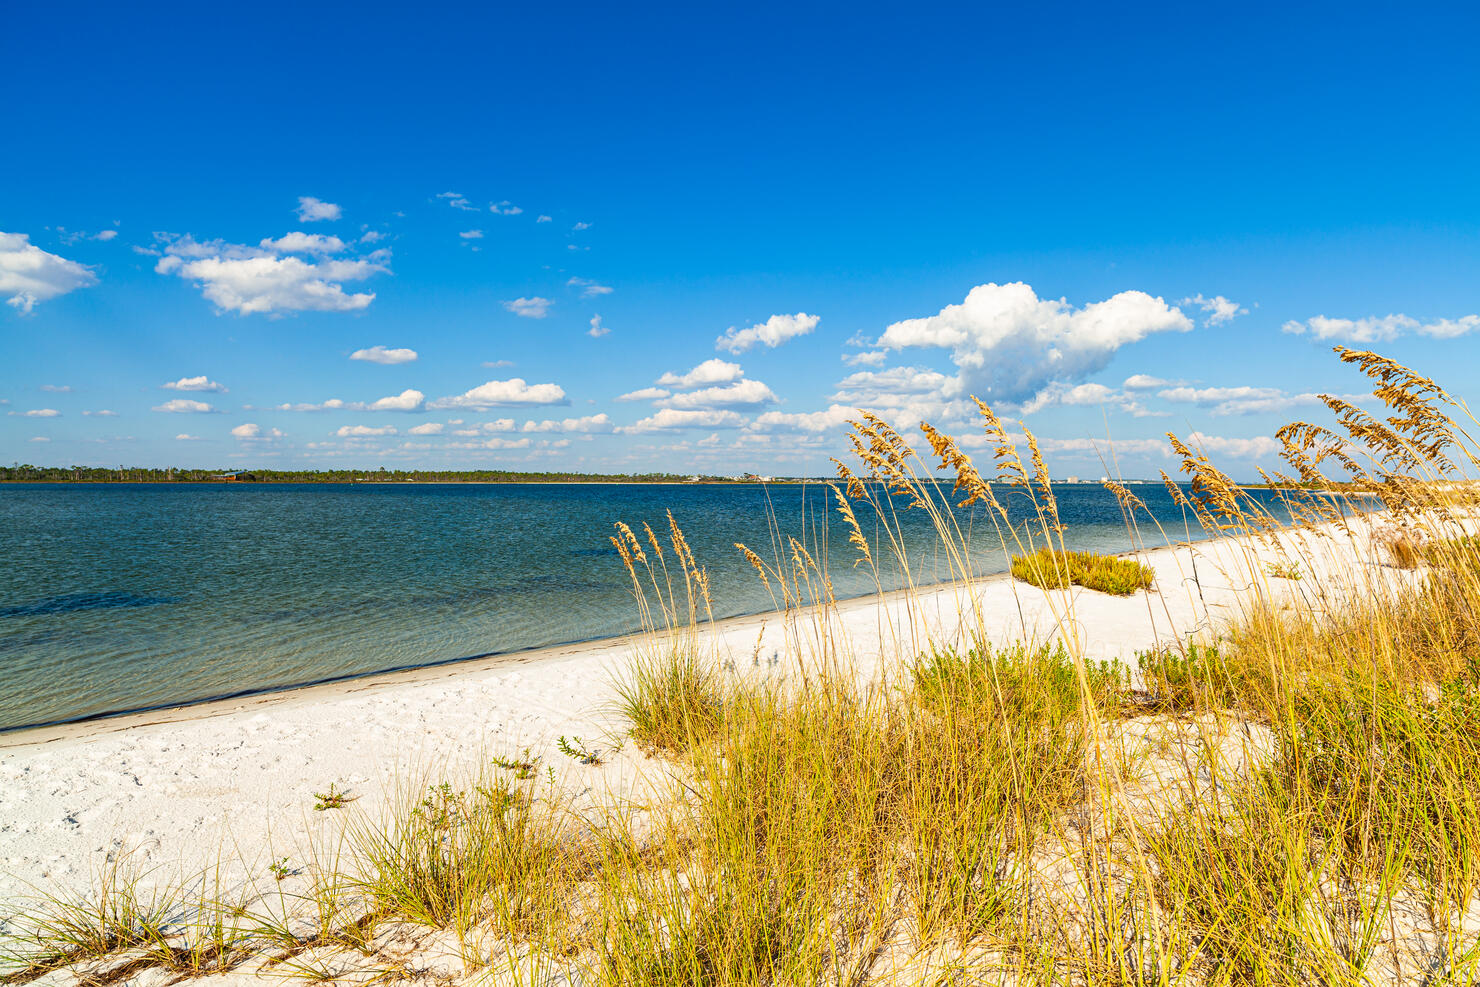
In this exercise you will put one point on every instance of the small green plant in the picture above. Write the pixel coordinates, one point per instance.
(280, 870)
(576, 750)
(523, 767)
(332, 799)
(1285, 570)
(1197, 678)
(1049, 569)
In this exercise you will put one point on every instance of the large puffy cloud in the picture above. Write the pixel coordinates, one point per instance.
(773, 332)
(30, 275)
(675, 418)
(740, 394)
(382, 354)
(712, 371)
(246, 280)
(201, 383)
(503, 394)
(1008, 343)
(1375, 329)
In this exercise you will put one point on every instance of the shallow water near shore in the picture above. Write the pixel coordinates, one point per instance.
(132, 596)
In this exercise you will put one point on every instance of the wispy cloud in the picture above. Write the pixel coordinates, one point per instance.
(504, 208)
(589, 289)
(458, 201)
(529, 308)
(385, 355)
(1374, 329)
(312, 210)
(1217, 310)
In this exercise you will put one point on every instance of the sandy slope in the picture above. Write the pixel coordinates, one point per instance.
(236, 780)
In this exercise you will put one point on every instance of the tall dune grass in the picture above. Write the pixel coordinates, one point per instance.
(1292, 800)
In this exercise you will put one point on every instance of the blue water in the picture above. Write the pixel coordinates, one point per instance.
(121, 597)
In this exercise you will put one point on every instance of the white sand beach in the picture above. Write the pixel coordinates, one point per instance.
(234, 782)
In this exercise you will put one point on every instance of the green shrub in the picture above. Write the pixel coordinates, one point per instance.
(1049, 569)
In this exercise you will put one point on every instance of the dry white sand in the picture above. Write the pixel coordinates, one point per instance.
(235, 780)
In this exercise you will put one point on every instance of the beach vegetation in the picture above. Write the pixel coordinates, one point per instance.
(1290, 797)
(332, 799)
(1051, 569)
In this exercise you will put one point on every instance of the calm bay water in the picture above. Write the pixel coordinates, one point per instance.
(119, 597)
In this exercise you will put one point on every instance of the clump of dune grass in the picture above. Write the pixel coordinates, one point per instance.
(1105, 573)
(672, 698)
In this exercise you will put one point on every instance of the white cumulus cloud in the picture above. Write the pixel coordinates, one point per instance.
(427, 428)
(254, 431)
(587, 423)
(675, 418)
(303, 243)
(773, 332)
(834, 417)
(201, 383)
(382, 354)
(185, 406)
(248, 280)
(504, 208)
(504, 393)
(740, 394)
(364, 431)
(1007, 343)
(597, 330)
(529, 308)
(711, 371)
(30, 275)
(37, 413)
(311, 210)
(645, 394)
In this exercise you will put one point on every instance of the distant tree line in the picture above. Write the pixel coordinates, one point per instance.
(26, 473)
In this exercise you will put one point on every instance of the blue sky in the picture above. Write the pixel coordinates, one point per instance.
(1104, 222)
